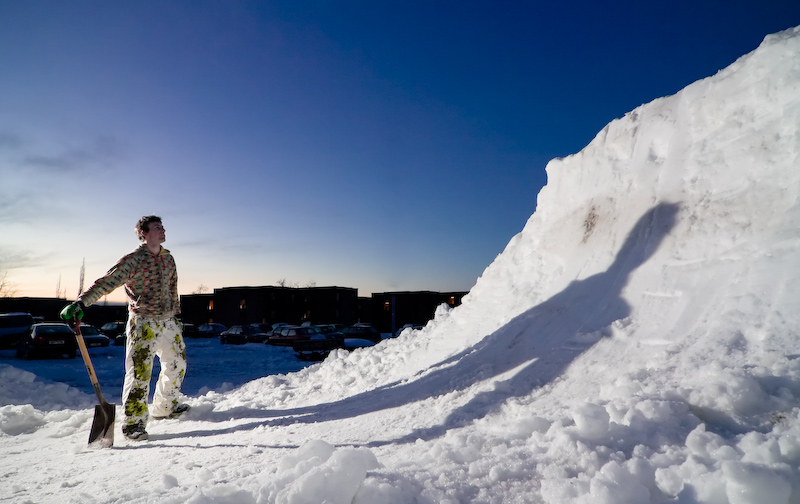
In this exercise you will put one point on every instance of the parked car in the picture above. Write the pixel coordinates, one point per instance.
(210, 330)
(350, 343)
(115, 331)
(319, 345)
(315, 348)
(330, 331)
(48, 339)
(189, 330)
(408, 326)
(233, 336)
(92, 337)
(255, 334)
(265, 328)
(277, 326)
(13, 326)
(289, 334)
(362, 331)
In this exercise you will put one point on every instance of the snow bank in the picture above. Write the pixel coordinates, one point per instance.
(637, 341)
(318, 472)
(28, 401)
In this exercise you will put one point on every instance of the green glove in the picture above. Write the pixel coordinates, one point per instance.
(72, 312)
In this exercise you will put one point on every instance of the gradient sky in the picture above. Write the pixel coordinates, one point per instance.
(377, 145)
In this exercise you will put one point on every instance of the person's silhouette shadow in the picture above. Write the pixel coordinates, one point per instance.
(549, 336)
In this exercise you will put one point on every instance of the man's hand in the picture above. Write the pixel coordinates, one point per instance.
(72, 312)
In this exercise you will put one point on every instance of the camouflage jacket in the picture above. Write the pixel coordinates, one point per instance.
(151, 283)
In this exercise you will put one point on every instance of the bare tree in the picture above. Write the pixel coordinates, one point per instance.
(200, 289)
(7, 288)
(61, 292)
(83, 274)
(284, 283)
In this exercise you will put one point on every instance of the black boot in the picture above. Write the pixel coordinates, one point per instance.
(135, 432)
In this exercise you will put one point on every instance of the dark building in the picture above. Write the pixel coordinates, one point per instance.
(387, 311)
(392, 310)
(365, 310)
(268, 305)
(197, 308)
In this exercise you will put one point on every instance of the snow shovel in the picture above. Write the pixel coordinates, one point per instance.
(103, 424)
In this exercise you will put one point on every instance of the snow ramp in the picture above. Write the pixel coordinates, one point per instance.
(676, 229)
(636, 342)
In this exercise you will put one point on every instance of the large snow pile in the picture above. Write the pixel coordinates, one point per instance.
(637, 342)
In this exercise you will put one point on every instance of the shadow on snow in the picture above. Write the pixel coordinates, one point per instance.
(539, 343)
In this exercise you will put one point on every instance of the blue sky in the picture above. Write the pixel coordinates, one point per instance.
(378, 145)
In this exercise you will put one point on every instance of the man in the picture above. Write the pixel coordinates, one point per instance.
(151, 284)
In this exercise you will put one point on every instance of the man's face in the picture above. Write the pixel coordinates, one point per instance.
(155, 234)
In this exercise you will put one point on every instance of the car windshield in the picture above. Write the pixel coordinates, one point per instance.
(306, 331)
(89, 331)
(54, 329)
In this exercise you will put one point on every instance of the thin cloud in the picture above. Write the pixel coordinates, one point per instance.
(20, 206)
(11, 259)
(103, 152)
(10, 141)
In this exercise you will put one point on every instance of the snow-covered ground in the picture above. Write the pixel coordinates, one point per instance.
(637, 342)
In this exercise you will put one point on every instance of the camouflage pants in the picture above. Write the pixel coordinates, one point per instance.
(147, 338)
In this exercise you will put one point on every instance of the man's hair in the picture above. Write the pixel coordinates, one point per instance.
(143, 226)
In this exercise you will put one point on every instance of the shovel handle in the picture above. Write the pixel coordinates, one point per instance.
(86, 360)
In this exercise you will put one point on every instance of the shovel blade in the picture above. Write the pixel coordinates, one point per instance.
(102, 432)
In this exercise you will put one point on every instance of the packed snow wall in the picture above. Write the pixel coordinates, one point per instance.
(676, 230)
(725, 149)
(637, 341)
(722, 156)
